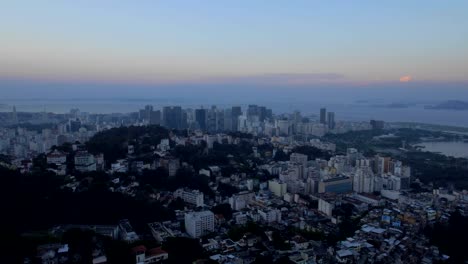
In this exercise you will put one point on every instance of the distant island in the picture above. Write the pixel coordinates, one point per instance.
(449, 105)
(393, 105)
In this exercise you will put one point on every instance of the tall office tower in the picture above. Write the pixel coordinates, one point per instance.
(200, 118)
(211, 119)
(155, 117)
(177, 117)
(166, 111)
(269, 113)
(184, 120)
(14, 116)
(262, 113)
(228, 120)
(190, 113)
(148, 110)
(323, 115)
(145, 114)
(253, 112)
(220, 120)
(236, 111)
(296, 119)
(172, 117)
(331, 120)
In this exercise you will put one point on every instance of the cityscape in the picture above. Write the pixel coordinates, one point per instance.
(234, 132)
(241, 184)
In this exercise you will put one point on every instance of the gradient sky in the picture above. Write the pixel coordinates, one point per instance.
(286, 43)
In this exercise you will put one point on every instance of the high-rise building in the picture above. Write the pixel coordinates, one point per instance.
(236, 111)
(211, 119)
(172, 117)
(262, 113)
(155, 117)
(228, 120)
(323, 115)
(283, 127)
(363, 180)
(198, 224)
(220, 120)
(14, 116)
(377, 124)
(252, 110)
(145, 114)
(200, 118)
(331, 120)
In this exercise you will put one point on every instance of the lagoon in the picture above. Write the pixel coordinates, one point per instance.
(458, 149)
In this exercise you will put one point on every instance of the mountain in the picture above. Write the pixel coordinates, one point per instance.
(450, 105)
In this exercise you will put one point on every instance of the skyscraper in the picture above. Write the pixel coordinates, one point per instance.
(331, 120)
(228, 120)
(155, 117)
(14, 116)
(252, 110)
(236, 111)
(211, 119)
(200, 118)
(145, 114)
(172, 117)
(220, 120)
(323, 115)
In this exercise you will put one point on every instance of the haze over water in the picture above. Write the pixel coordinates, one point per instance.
(351, 111)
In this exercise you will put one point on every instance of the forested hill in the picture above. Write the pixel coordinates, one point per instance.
(113, 143)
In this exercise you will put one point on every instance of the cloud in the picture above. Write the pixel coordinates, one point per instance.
(406, 78)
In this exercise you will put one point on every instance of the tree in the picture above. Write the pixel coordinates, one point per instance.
(183, 249)
(223, 209)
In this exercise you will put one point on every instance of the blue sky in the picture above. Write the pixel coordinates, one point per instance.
(257, 43)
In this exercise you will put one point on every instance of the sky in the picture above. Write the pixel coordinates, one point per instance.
(151, 47)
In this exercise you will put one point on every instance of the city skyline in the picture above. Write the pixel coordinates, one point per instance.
(186, 46)
(234, 131)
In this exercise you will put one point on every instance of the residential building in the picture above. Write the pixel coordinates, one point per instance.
(340, 184)
(85, 161)
(193, 197)
(198, 224)
(278, 188)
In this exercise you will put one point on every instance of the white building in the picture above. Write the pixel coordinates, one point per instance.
(283, 127)
(198, 224)
(277, 188)
(194, 197)
(326, 207)
(270, 215)
(85, 161)
(250, 184)
(364, 181)
(56, 157)
(241, 200)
